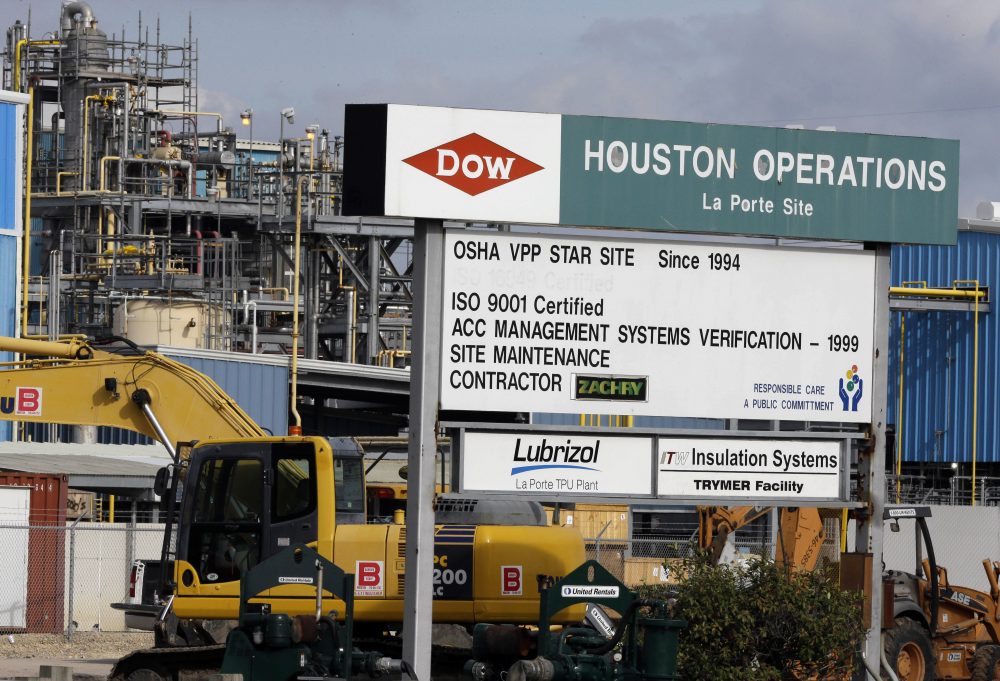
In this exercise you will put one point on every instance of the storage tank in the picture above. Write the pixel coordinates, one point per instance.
(188, 324)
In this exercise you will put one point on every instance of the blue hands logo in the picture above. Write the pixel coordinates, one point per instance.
(850, 394)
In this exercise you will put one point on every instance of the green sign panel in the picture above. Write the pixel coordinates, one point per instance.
(513, 167)
(732, 179)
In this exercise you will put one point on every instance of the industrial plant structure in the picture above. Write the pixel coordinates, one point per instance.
(149, 218)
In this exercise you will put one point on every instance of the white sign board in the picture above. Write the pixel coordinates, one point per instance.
(612, 326)
(719, 469)
(555, 464)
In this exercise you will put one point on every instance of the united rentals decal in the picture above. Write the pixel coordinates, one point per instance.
(473, 164)
(611, 388)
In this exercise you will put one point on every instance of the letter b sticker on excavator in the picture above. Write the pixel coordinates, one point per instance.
(510, 580)
(369, 578)
(29, 402)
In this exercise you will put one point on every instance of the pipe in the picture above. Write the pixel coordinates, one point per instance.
(85, 181)
(250, 318)
(59, 177)
(975, 375)
(187, 114)
(70, 10)
(297, 428)
(170, 164)
(17, 57)
(27, 211)
(899, 417)
(938, 292)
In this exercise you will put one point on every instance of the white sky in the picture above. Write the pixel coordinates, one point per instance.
(928, 68)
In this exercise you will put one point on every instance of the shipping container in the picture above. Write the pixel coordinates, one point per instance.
(45, 536)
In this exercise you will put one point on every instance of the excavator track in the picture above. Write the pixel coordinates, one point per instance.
(167, 664)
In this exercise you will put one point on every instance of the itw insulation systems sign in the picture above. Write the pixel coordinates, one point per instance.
(571, 324)
(512, 167)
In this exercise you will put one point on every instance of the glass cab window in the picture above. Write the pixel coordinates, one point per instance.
(349, 489)
(225, 533)
(293, 487)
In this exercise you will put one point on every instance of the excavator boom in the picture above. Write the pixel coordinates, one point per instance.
(800, 534)
(73, 383)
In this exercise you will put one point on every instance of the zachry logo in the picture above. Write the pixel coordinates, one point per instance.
(26, 402)
(610, 388)
(473, 164)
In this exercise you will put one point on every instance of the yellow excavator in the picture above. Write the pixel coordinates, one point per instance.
(800, 532)
(246, 496)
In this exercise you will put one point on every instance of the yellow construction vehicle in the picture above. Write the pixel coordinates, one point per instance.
(800, 532)
(247, 496)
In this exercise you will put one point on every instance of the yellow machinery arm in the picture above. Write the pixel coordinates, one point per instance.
(800, 534)
(144, 392)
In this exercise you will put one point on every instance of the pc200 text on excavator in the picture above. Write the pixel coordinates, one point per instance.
(247, 496)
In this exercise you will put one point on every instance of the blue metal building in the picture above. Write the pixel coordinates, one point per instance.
(12, 107)
(942, 396)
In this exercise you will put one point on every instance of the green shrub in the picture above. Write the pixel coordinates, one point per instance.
(758, 620)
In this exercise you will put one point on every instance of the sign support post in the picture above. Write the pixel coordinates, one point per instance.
(428, 247)
(871, 463)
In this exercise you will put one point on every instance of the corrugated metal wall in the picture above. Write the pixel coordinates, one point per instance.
(260, 389)
(938, 356)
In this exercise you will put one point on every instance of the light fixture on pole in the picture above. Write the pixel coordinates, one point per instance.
(246, 118)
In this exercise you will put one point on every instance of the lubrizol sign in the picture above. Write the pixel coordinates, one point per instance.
(503, 166)
(554, 464)
(612, 326)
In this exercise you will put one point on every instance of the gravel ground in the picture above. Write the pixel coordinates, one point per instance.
(84, 646)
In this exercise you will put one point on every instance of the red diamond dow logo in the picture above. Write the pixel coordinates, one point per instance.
(473, 164)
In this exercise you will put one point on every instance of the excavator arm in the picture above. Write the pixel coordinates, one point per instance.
(72, 382)
(800, 532)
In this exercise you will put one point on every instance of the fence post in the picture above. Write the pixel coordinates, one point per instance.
(72, 569)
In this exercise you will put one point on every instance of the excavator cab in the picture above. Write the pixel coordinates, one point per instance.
(246, 500)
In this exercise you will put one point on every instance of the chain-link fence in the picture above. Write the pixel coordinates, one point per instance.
(60, 579)
(956, 491)
(653, 558)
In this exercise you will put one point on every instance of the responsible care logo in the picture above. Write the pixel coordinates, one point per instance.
(610, 388)
(473, 164)
(851, 390)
